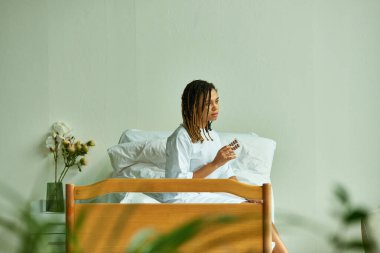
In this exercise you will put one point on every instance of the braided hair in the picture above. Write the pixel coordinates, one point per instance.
(193, 107)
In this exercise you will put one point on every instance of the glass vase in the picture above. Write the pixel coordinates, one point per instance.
(54, 197)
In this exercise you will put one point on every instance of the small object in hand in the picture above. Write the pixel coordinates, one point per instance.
(234, 144)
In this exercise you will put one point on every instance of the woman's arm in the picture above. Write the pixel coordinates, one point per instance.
(224, 155)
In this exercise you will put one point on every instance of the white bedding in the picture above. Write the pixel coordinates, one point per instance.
(141, 154)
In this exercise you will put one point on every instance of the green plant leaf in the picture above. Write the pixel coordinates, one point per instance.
(353, 244)
(355, 215)
(141, 238)
(346, 244)
(341, 194)
(171, 242)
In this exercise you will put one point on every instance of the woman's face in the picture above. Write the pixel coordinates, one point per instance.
(213, 109)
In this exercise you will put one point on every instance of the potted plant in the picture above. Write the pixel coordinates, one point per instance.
(62, 144)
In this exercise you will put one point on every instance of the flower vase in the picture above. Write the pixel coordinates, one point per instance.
(54, 197)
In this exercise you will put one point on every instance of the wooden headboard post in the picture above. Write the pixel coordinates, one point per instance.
(70, 201)
(267, 219)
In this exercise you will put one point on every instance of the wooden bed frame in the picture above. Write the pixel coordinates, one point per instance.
(108, 227)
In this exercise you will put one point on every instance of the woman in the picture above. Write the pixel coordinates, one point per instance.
(194, 150)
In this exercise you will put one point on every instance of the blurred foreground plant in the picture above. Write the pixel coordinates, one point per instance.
(150, 241)
(19, 224)
(346, 215)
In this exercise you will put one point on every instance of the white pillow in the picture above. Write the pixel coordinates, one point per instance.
(136, 135)
(140, 170)
(126, 154)
(254, 155)
(141, 159)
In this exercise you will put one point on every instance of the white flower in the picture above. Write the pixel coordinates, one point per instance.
(50, 143)
(61, 131)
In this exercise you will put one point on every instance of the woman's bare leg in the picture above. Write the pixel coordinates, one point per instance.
(280, 246)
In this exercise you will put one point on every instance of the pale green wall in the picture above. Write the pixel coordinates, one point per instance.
(304, 73)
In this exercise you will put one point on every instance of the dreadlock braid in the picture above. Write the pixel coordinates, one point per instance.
(192, 105)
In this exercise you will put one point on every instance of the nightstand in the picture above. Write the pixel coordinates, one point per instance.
(54, 239)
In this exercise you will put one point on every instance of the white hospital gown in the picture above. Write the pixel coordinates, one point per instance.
(183, 158)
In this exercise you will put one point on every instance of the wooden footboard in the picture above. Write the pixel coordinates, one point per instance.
(109, 227)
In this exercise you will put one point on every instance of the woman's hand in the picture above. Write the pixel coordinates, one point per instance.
(224, 155)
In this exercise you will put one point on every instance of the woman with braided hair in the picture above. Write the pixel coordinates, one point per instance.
(194, 150)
